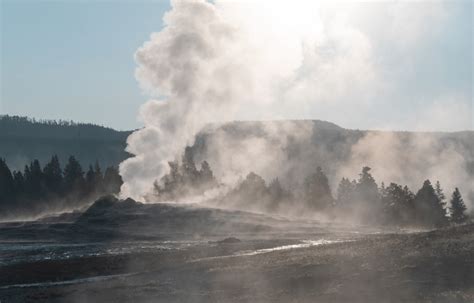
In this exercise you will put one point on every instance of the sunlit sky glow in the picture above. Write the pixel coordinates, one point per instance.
(398, 65)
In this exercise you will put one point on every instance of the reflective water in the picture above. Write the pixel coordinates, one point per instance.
(11, 253)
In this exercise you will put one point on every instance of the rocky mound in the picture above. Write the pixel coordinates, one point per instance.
(112, 219)
(129, 217)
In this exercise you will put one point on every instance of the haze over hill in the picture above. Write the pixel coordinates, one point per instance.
(292, 150)
(294, 147)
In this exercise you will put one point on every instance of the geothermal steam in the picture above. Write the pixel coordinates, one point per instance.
(224, 61)
(189, 67)
(212, 63)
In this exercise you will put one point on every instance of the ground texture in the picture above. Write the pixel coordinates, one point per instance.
(435, 266)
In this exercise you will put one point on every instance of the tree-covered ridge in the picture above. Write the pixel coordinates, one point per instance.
(43, 128)
(35, 190)
(23, 140)
(307, 144)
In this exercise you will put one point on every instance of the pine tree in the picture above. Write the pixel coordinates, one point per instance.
(275, 189)
(317, 193)
(440, 194)
(18, 183)
(367, 198)
(409, 201)
(6, 183)
(278, 195)
(27, 180)
(36, 181)
(345, 192)
(367, 189)
(53, 175)
(98, 177)
(398, 204)
(429, 210)
(90, 180)
(73, 176)
(458, 208)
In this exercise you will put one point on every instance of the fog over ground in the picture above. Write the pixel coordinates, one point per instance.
(337, 61)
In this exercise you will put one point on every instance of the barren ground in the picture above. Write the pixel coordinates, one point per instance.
(433, 266)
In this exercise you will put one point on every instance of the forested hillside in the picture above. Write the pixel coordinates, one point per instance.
(292, 150)
(292, 157)
(23, 139)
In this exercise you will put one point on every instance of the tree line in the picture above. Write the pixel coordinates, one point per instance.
(398, 205)
(27, 138)
(22, 120)
(37, 190)
(360, 200)
(40, 128)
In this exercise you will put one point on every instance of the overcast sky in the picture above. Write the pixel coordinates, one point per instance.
(74, 60)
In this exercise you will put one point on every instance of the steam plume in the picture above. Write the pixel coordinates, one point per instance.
(188, 65)
(230, 60)
(211, 62)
